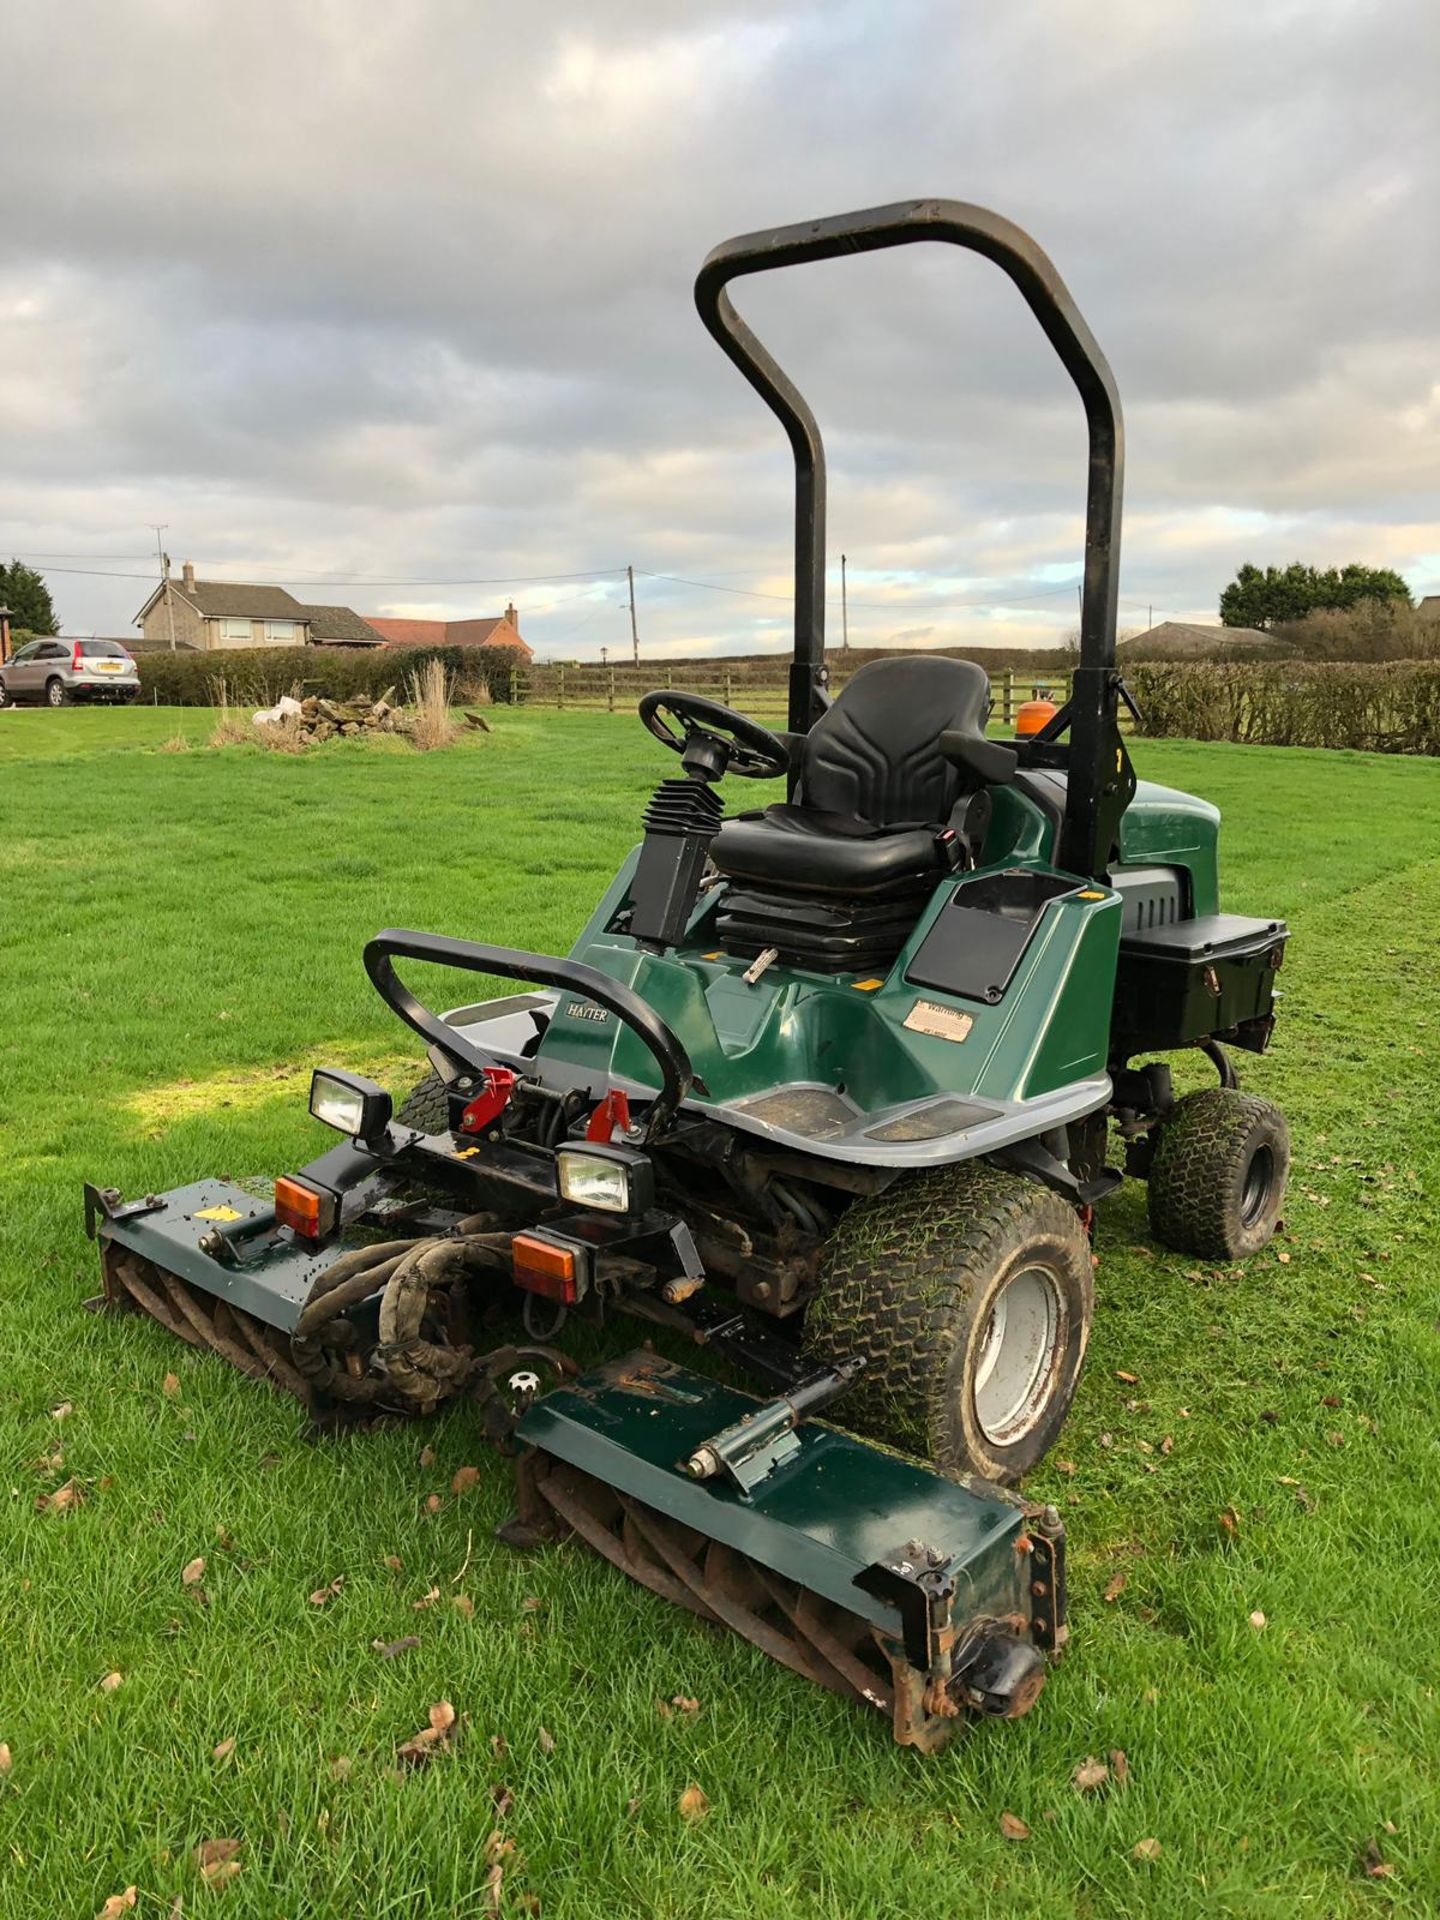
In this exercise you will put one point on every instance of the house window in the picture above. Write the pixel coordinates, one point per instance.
(235, 632)
(280, 633)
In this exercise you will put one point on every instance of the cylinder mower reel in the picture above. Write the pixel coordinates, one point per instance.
(827, 1087)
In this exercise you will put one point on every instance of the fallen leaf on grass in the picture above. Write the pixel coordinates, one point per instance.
(528, 1903)
(1230, 1522)
(110, 1681)
(1130, 1379)
(1257, 1620)
(426, 1599)
(63, 1411)
(1146, 1850)
(497, 1852)
(417, 1750)
(224, 1750)
(1116, 1586)
(1283, 1257)
(1167, 1443)
(387, 1649)
(323, 1595)
(504, 1800)
(1090, 1774)
(193, 1572)
(215, 1861)
(1335, 1439)
(63, 1500)
(1066, 1466)
(694, 1803)
(1373, 1863)
(1013, 1827)
(498, 1746)
(7, 1759)
(394, 1563)
(170, 1386)
(427, 1456)
(546, 1740)
(340, 1767)
(462, 1603)
(1119, 1766)
(117, 1904)
(464, 1479)
(433, 1503)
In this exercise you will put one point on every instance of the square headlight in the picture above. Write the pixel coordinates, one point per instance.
(350, 1103)
(610, 1179)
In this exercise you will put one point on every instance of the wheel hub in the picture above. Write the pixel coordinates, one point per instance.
(1017, 1355)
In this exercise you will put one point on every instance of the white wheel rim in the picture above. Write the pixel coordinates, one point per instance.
(1016, 1360)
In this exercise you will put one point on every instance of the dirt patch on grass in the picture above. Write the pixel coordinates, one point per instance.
(157, 1109)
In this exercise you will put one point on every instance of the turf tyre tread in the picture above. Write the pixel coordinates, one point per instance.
(1197, 1173)
(899, 1285)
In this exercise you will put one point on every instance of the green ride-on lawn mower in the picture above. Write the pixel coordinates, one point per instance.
(827, 1089)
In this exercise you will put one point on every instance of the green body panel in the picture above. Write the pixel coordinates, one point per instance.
(797, 1027)
(1162, 827)
(820, 1518)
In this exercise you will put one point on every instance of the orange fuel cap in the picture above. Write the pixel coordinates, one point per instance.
(1032, 716)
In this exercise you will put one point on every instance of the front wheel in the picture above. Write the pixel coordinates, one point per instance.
(55, 694)
(4, 696)
(969, 1293)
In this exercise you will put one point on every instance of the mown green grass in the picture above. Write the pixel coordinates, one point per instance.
(180, 934)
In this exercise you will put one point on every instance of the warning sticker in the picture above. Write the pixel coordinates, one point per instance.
(942, 1023)
(218, 1213)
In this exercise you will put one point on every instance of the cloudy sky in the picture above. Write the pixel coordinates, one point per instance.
(390, 303)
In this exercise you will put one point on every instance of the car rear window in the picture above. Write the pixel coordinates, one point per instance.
(108, 649)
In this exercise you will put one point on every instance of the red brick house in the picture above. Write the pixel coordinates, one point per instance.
(501, 631)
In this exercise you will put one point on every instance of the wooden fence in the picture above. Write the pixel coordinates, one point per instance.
(762, 692)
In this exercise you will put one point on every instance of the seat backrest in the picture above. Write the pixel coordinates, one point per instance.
(876, 752)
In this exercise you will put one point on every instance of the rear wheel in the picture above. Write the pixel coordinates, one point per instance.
(426, 1106)
(968, 1291)
(55, 694)
(1217, 1177)
(4, 696)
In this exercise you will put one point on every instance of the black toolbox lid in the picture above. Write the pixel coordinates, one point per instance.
(1217, 936)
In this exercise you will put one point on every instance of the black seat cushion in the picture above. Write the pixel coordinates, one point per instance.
(811, 851)
(874, 787)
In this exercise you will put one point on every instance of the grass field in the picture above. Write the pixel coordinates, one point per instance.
(180, 936)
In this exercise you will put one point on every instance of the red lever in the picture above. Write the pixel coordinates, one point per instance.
(612, 1112)
(488, 1106)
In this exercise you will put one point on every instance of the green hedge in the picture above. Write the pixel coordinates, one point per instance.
(257, 676)
(1379, 708)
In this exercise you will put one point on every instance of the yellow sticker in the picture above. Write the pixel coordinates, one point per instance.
(1090, 893)
(218, 1213)
(467, 1153)
(866, 986)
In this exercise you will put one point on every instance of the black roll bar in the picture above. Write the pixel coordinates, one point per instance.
(511, 963)
(1090, 824)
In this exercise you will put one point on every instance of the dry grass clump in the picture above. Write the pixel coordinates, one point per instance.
(430, 698)
(177, 743)
(232, 728)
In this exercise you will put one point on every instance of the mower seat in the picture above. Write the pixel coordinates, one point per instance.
(876, 791)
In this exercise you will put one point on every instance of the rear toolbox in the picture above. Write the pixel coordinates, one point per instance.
(1194, 979)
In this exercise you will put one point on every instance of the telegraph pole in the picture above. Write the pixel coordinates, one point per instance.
(164, 560)
(844, 611)
(634, 630)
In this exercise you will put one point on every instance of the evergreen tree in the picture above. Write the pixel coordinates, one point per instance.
(25, 593)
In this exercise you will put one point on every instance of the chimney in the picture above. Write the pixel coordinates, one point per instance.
(512, 616)
(187, 575)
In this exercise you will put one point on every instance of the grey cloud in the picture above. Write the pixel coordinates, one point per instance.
(406, 291)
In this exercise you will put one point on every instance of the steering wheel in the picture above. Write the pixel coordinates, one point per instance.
(754, 752)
